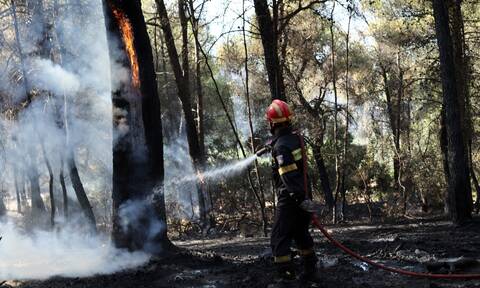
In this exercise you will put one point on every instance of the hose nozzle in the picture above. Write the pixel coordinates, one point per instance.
(263, 150)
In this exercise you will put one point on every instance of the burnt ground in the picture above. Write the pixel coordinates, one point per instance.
(418, 245)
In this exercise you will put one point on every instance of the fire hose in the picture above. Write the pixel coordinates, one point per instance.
(364, 259)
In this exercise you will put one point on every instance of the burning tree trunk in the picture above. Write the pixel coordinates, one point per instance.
(138, 144)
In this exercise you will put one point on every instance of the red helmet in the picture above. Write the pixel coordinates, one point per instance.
(278, 112)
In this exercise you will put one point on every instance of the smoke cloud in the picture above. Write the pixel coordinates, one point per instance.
(71, 109)
(67, 253)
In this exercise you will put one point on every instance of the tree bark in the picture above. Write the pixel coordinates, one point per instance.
(444, 147)
(462, 75)
(270, 47)
(459, 180)
(335, 123)
(347, 121)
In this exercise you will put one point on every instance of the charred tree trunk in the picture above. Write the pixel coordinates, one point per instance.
(139, 216)
(270, 47)
(459, 187)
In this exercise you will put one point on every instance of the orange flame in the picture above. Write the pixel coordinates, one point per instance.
(127, 37)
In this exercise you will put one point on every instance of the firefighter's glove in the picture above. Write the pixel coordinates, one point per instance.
(311, 206)
(263, 150)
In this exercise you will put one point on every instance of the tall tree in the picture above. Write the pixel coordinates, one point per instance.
(138, 168)
(183, 90)
(268, 32)
(459, 176)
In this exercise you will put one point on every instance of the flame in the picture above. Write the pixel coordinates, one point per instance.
(127, 38)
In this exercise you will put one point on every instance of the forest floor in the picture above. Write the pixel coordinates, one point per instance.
(417, 244)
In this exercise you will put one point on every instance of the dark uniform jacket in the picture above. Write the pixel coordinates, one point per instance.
(288, 167)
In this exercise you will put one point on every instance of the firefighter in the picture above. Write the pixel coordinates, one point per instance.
(290, 180)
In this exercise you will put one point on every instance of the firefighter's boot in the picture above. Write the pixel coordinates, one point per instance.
(285, 272)
(310, 273)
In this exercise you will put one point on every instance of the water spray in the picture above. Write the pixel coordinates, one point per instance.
(228, 170)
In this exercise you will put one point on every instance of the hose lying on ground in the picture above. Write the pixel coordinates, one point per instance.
(345, 249)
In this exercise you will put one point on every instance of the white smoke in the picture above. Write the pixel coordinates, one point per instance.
(68, 253)
(54, 78)
(240, 116)
(79, 96)
(178, 162)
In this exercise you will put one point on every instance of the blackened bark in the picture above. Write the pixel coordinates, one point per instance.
(459, 180)
(138, 167)
(270, 47)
